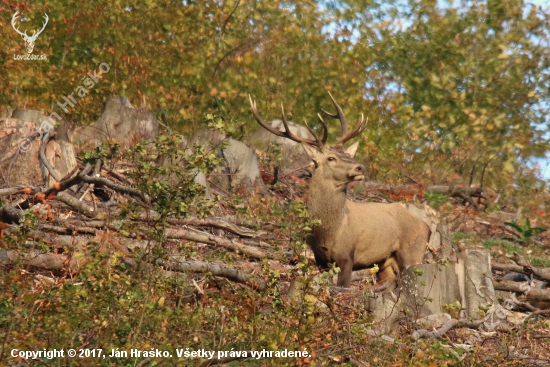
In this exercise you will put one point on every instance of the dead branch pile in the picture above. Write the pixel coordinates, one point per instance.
(82, 219)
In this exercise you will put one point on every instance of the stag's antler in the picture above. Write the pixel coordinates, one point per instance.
(340, 116)
(287, 133)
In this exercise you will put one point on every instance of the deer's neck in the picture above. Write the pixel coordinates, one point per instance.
(327, 203)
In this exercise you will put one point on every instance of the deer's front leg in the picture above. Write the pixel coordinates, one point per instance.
(346, 266)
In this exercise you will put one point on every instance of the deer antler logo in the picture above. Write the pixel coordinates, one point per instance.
(29, 40)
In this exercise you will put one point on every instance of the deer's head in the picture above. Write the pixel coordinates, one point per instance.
(29, 40)
(333, 164)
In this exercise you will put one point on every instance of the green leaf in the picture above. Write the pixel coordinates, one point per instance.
(514, 225)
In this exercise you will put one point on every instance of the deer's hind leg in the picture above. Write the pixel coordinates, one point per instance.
(413, 253)
(388, 270)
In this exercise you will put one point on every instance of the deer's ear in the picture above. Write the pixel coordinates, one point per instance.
(312, 152)
(352, 149)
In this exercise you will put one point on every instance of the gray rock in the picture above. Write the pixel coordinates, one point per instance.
(241, 164)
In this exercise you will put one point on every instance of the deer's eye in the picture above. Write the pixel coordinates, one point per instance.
(331, 159)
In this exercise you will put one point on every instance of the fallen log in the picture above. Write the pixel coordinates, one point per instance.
(58, 262)
(76, 204)
(9, 214)
(215, 269)
(542, 274)
(180, 234)
(207, 222)
(438, 333)
(530, 293)
(211, 239)
(117, 187)
(37, 259)
(28, 190)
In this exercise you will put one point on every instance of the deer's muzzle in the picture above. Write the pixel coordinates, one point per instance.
(358, 173)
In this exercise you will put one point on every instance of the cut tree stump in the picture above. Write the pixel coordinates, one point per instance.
(120, 123)
(241, 164)
(20, 144)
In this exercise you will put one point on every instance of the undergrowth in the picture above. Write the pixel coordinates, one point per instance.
(112, 306)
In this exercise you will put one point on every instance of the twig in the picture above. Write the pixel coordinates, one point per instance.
(144, 362)
(70, 174)
(71, 181)
(119, 177)
(296, 170)
(213, 362)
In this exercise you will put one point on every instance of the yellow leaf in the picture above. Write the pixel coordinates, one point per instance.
(531, 94)
(310, 298)
(508, 167)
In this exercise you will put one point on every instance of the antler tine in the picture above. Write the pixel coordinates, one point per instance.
(284, 134)
(261, 122)
(338, 115)
(320, 143)
(358, 130)
(317, 142)
(325, 128)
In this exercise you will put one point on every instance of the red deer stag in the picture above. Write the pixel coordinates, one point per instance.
(353, 235)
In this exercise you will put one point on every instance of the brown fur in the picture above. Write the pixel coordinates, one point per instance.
(358, 235)
(353, 235)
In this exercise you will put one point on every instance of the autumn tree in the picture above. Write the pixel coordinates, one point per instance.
(457, 91)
